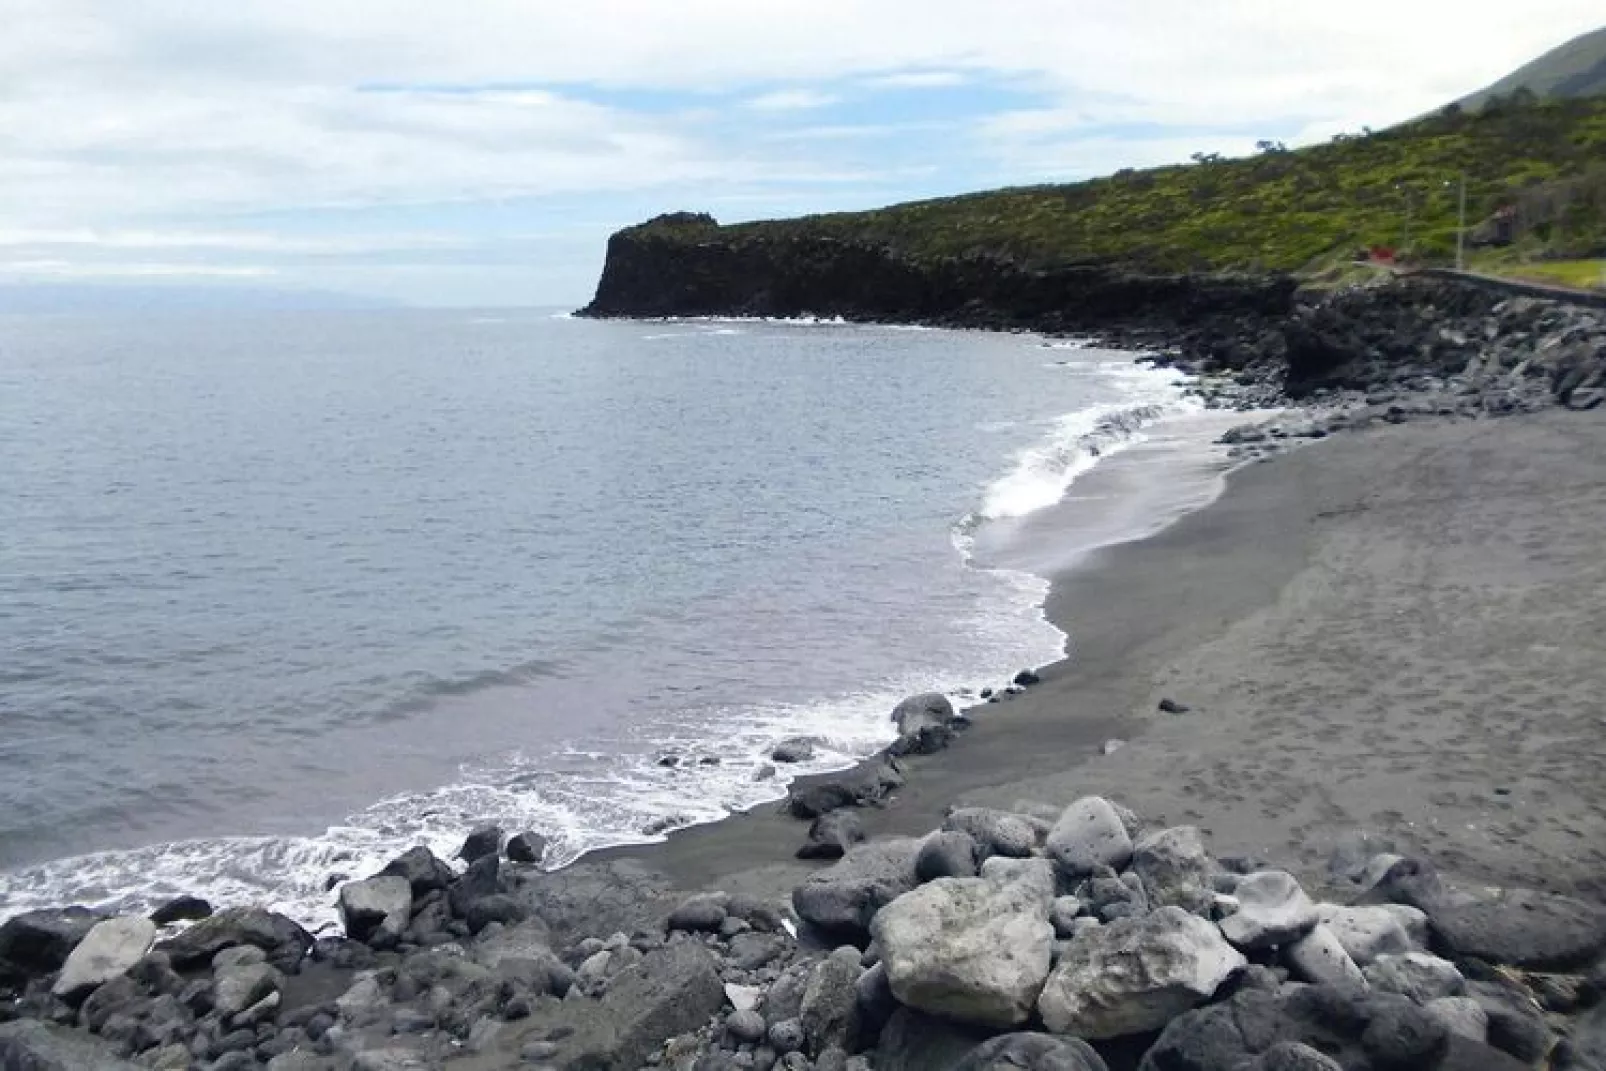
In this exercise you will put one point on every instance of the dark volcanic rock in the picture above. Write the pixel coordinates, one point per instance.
(1032, 1052)
(181, 909)
(37, 942)
(591, 898)
(276, 935)
(844, 897)
(832, 834)
(1523, 928)
(482, 841)
(29, 1045)
(423, 871)
(526, 848)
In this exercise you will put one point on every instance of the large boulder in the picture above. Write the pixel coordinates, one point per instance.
(1523, 928)
(526, 848)
(29, 1045)
(845, 897)
(1416, 975)
(38, 942)
(480, 842)
(1368, 932)
(925, 724)
(947, 853)
(1175, 869)
(912, 1041)
(832, 834)
(1272, 910)
(1005, 833)
(829, 1011)
(586, 899)
(280, 937)
(1136, 975)
(106, 952)
(423, 870)
(239, 986)
(376, 908)
(1032, 1052)
(1319, 957)
(971, 949)
(1089, 835)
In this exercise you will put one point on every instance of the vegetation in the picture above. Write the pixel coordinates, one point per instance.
(1579, 274)
(1299, 211)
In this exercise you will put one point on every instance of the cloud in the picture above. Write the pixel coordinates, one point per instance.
(918, 80)
(791, 100)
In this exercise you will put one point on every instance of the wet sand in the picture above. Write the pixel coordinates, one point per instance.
(1401, 630)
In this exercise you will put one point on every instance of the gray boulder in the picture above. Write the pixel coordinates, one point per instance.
(1522, 928)
(238, 987)
(1463, 1016)
(846, 896)
(829, 1012)
(1015, 836)
(481, 841)
(30, 1045)
(376, 908)
(38, 942)
(969, 949)
(589, 898)
(527, 848)
(1293, 1056)
(1175, 869)
(925, 725)
(1087, 836)
(1135, 975)
(423, 870)
(1416, 975)
(947, 853)
(832, 834)
(704, 913)
(1319, 957)
(1063, 917)
(109, 950)
(1368, 932)
(797, 749)
(912, 1041)
(1272, 910)
(275, 934)
(1032, 1052)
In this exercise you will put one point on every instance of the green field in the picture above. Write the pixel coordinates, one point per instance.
(1282, 211)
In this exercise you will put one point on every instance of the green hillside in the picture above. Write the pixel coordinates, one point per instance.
(1575, 69)
(1276, 211)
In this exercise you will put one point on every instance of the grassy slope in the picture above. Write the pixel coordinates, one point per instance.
(1575, 69)
(1279, 211)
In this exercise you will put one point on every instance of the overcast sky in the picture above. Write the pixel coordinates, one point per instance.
(480, 151)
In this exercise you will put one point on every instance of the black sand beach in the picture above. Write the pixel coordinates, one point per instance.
(1396, 630)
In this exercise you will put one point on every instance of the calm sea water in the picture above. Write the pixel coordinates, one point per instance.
(283, 594)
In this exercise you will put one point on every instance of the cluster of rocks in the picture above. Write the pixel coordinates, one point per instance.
(1074, 938)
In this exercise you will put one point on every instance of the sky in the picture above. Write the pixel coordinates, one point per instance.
(478, 153)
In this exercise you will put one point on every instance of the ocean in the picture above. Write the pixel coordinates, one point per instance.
(283, 594)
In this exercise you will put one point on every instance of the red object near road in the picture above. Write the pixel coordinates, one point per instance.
(1383, 254)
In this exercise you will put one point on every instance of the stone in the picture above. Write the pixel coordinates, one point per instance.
(1402, 1035)
(751, 951)
(969, 949)
(107, 951)
(527, 848)
(423, 870)
(1416, 975)
(1171, 706)
(1352, 852)
(846, 896)
(1292, 1056)
(1516, 1025)
(181, 909)
(234, 989)
(1032, 1052)
(704, 913)
(746, 1026)
(30, 1045)
(602, 897)
(918, 711)
(1063, 916)
(1522, 928)
(382, 903)
(273, 933)
(1175, 869)
(1136, 975)
(1110, 898)
(832, 834)
(481, 841)
(830, 1008)
(1272, 910)
(877, 1004)
(1015, 836)
(1461, 1015)
(1089, 835)
(1368, 932)
(38, 942)
(797, 749)
(786, 1036)
(807, 802)
(672, 991)
(947, 853)
(744, 997)
(1319, 958)
(912, 1041)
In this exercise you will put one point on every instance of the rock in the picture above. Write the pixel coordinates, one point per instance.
(744, 997)
(1319, 958)
(830, 1009)
(704, 913)
(1416, 975)
(1032, 1052)
(109, 950)
(1516, 1025)
(1402, 1035)
(1016, 836)
(376, 906)
(181, 909)
(877, 1004)
(746, 1026)
(1027, 678)
(750, 951)
(236, 988)
(481, 841)
(1352, 852)
(1087, 836)
(1461, 1015)
(846, 896)
(798, 749)
(423, 870)
(1110, 898)
(1175, 869)
(1063, 916)
(925, 725)
(38, 942)
(969, 949)
(832, 834)
(482, 879)
(616, 896)
(948, 853)
(786, 1036)
(273, 933)
(527, 848)
(1171, 706)
(30, 1045)
(1292, 1056)
(1136, 975)
(914, 1042)
(1368, 932)
(1272, 910)
(807, 802)
(1522, 928)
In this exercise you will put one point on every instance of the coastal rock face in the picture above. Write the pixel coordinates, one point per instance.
(846, 896)
(107, 951)
(970, 949)
(1087, 836)
(1136, 975)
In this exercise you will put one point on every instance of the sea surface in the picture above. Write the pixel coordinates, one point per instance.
(283, 594)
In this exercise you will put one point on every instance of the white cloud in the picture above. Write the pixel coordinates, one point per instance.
(791, 100)
(918, 80)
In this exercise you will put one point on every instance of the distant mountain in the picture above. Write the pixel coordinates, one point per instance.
(1576, 69)
(113, 297)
